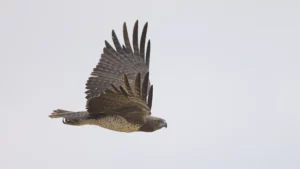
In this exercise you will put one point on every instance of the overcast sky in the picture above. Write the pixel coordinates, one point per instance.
(225, 74)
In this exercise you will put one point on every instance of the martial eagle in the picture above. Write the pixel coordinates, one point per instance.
(119, 93)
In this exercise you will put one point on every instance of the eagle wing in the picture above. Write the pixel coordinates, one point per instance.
(124, 101)
(114, 63)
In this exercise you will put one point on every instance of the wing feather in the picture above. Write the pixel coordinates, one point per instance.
(135, 39)
(116, 42)
(115, 62)
(138, 85)
(114, 102)
(148, 54)
(123, 91)
(145, 86)
(143, 40)
(116, 89)
(126, 39)
(150, 97)
(127, 85)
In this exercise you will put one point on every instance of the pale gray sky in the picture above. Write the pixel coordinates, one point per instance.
(225, 75)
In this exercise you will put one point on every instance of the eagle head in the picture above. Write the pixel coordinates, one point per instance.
(153, 124)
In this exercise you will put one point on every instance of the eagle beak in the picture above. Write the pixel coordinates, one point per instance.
(165, 125)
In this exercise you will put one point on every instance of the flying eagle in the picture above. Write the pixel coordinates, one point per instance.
(119, 93)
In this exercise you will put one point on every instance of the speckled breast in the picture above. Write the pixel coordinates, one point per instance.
(116, 123)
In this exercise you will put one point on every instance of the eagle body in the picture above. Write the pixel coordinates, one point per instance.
(116, 123)
(112, 122)
(119, 93)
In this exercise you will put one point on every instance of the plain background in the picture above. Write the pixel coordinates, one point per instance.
(225, 75)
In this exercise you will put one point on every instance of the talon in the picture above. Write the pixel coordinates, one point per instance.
(66, 121)
(69, 122)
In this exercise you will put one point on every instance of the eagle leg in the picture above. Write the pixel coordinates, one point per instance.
(70, 122)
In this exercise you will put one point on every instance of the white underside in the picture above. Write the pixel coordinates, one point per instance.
(116, 123)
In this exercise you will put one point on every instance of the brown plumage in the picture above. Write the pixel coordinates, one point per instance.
(119, 92)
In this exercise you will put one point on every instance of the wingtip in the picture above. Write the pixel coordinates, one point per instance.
(147, 75)
(136, 25)
(113, 33)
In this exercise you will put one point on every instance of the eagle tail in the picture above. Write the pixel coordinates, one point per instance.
(70, 117)
(61, 113)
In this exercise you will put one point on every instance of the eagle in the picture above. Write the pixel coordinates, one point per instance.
(118, 92)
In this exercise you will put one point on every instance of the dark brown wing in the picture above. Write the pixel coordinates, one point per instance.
(124, 99)
(121, 60)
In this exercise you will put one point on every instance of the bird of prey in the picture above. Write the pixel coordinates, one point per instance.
(119, 93)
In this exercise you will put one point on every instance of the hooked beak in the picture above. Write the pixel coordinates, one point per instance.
(165, 125)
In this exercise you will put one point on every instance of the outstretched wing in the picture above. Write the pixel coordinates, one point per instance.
(121, 60)
(124, 99)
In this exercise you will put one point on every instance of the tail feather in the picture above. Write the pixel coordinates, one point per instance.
(62, 113)
(59, 113)
(70, 117)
